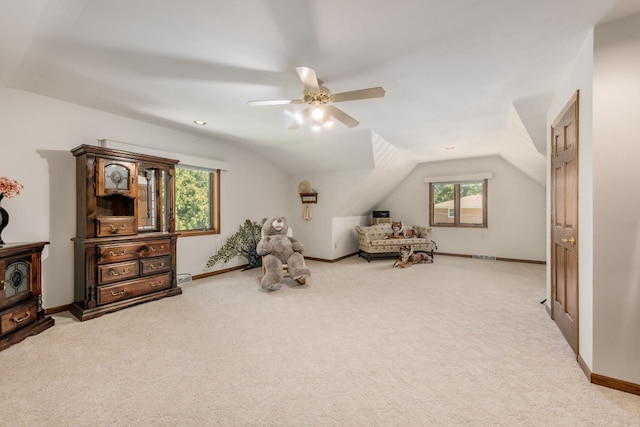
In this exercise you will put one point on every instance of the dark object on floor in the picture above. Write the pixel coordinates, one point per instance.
(255, 260)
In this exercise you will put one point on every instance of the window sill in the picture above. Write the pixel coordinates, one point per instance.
(459, 225)
(190, 233)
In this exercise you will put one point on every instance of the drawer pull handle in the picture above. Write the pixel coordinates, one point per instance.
(152, 249)
(155, 267)
(114, 230)
(153, 285)
(22, 319)
(115, 294)
(117, 254)
(115, 273)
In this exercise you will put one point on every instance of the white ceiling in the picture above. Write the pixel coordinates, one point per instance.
(452, 70)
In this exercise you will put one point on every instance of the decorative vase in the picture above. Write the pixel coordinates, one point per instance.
(4, 219)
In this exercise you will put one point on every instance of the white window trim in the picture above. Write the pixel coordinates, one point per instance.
(457, 179)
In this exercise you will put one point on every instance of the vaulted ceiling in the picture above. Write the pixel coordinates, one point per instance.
(463, 78)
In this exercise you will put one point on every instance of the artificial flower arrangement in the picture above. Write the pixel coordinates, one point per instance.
(9, 187)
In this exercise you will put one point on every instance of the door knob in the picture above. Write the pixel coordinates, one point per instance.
(571, 240)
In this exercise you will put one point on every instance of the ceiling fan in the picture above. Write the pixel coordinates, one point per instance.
(318, 96)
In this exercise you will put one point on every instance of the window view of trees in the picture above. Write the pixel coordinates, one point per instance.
(446, 192)
(193, 199)
(458, 205)
(470, 189)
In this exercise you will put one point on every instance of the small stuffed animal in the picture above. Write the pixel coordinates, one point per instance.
(396, 230)
(408, 257)
(277, 249)
(399, 231)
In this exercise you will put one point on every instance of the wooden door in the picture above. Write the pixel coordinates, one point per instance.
(564, 221)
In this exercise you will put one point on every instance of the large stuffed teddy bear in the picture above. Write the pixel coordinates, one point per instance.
(277, 249)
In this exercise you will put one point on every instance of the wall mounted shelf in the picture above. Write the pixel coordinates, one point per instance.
(309, 197)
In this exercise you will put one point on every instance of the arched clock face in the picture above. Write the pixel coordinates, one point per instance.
(16, 278)
(116, 177)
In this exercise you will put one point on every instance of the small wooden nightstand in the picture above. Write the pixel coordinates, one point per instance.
(21, 313)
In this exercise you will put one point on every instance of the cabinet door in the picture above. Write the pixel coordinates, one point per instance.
(16, 280)
(116, 177)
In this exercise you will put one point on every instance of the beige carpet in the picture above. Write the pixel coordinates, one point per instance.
(457, 342)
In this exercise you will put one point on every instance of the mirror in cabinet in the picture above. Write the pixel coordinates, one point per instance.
(153, 198)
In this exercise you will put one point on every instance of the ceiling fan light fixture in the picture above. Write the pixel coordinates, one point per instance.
(318, 97)
(329, 124)
(317, 112)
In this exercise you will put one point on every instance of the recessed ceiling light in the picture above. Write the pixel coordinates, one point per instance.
(200, 122)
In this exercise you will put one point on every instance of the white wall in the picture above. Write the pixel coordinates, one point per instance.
(341, 194)
(345, 196)
(616, 223)
(579, 76)
(334, 190)
(37, 134)
(605, 71)
(345, 238)
(516, 210)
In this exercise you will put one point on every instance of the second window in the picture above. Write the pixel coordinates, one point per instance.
(461, 204)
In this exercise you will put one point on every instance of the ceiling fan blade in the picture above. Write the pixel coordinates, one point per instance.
(308, 77)
(372, 92)
(276, 102)
(341, 116)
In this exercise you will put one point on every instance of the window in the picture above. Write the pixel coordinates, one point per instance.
(197, 201)
(461, 204)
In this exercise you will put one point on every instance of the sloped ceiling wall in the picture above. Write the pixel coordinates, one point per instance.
(390, 167)
(519, 149)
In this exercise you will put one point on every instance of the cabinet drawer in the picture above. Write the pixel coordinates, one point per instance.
(18, 317)
(155, 265)
(132, 288)
(117, 272)
(116, 252)
(116, 226)
(156, 248)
